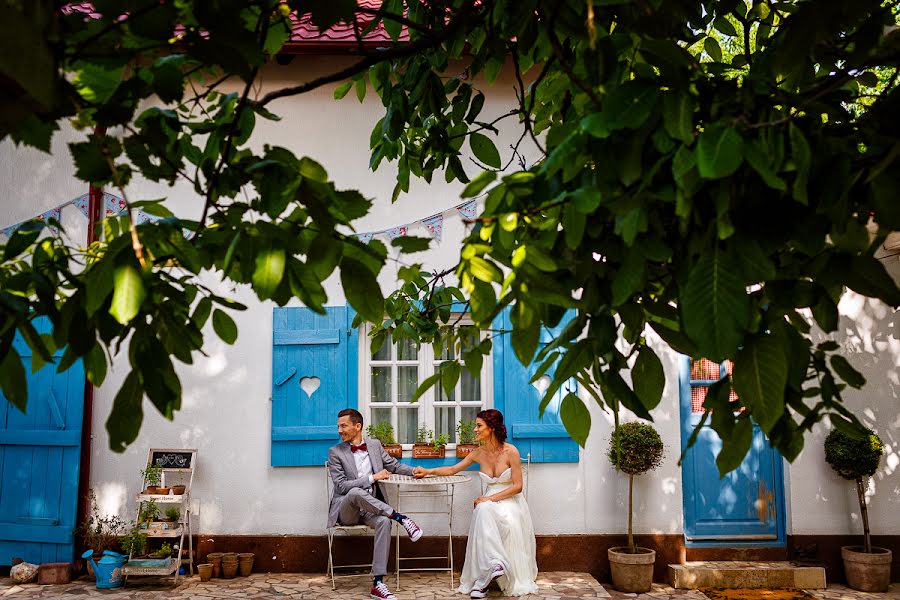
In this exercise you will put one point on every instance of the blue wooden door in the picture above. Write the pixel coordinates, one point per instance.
(40, 454)
(746, 507)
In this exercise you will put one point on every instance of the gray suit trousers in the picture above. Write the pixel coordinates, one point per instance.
(359, 506)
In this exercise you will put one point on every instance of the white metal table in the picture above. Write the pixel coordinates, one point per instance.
(428, 487)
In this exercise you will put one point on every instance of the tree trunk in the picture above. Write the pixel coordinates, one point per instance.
(631, 547)
(864, 513)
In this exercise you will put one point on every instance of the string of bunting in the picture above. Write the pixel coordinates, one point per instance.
(433, 224)
(115, 206)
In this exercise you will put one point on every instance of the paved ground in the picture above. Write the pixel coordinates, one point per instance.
(553, 586)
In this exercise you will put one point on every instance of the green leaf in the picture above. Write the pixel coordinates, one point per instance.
(484, 270)
(12, 380)
(128, 295)
(648, 378)
(224, 326)
(341, 90)
(426, 385)
(95, 82)
(362, 290)
(724, 26)
(449, 376)
(760, 376)
(90, 163)
(576, 418)
(715, 307)
(719, 151)
(735, 447)
(95, 365)
(712, 49)
(846, 371)
(802, 156)
(757, 159)
(678, 116)
(525, 341)
(269, 272)
(411, 244)
(629, 278)
(629, 105)
(481, 181)
(484, 150)
(125, 418)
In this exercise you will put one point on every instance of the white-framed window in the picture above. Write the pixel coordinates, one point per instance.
(390, 378)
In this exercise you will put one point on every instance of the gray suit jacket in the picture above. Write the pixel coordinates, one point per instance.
(342, 469)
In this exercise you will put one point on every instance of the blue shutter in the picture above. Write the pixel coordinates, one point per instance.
(309, 345)
(545, 438)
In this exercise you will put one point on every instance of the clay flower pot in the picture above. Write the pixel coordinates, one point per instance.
(245, 563)
(632, 573)
(229, 565)
(867, 571)
(427, 451)
(215, 559)
(152, 489)
(163, 491)
(394, 450)
(463, 450)
(178, 490)
(204, 571)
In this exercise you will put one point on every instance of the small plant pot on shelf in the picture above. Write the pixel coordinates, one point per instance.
(204, 571)
(151, 490)
(164, 491)
(631, 573)
(394, 450)
(463, 450)
(427, 451)
(867, 571)
(178, 490)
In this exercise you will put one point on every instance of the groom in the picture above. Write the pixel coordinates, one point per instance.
(357, 466)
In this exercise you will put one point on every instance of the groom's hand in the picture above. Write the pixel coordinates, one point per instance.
(381, 475)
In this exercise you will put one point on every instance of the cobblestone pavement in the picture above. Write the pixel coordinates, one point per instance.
(553, 586)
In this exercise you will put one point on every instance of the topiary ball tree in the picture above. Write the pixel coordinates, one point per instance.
(635, 448)
(855, 459)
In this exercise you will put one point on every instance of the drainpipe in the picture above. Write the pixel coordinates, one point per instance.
(95, 212)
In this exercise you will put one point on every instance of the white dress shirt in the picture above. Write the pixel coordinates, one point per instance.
(364, 467)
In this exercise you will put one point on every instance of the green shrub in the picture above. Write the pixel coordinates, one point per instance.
(635, 448)
(383, 432)
(853, 458)
(466, 431)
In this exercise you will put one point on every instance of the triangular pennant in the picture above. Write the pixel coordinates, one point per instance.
(114, 206)
(395, 232)
(435, 226)
(53, 213)
(83, 204)
(365, 238)
(10, 230)
(140, 217)
(467, 210)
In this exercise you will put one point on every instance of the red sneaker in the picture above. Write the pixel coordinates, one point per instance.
(381, 592)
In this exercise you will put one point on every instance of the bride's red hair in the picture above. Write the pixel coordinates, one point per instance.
(493, 418)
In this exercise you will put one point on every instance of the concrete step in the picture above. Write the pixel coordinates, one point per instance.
(745, 574)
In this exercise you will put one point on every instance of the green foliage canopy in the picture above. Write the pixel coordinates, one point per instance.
(635, 448)
(711, 195)
(853, 457)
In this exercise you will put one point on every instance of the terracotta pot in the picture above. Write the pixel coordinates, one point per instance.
(229, 568)
(631, 573)
(164, 491)
(245, 562)
(178, 490)
(463, 450)
(427, 451)
(204, 571)
(867, 571)
(395, 450)
(152, 489)
(215, 559)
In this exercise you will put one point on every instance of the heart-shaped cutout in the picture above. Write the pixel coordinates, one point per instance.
(541, 384)
(310, 385)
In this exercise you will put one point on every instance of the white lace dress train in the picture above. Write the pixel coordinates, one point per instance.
(501, 532)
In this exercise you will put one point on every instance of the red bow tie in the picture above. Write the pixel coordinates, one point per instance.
(362, 447)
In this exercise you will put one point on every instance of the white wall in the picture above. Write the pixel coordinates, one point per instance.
(226, 408)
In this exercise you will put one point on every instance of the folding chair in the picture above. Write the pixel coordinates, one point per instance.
(330, 531)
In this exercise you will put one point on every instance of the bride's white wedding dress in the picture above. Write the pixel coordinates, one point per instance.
(501, 532)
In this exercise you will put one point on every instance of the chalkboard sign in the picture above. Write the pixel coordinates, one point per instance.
(172, 459)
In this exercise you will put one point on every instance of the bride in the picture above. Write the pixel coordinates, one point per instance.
(501, 537)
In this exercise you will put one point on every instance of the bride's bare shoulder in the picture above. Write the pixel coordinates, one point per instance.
(511, 451)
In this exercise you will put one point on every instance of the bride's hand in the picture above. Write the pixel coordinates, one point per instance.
(481, 499)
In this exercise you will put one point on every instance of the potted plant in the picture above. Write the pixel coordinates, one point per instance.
(384, 433)
(466, 442)
(149, 512)
(172, 514)
(165, 551)
(635, 448)
(100, 532)
(868, 568)
(134, 543)
(151, 476)
(427, 446)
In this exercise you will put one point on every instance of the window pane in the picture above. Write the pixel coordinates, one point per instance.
(469, 387)
(449, 351)
(407, 422)
(469, 413)
(408, 382)
(440, 395)
(384, 353)
(380, 415)
(445, 422)
(381, 384)
(406, 350)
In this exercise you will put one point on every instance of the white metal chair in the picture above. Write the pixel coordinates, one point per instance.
(526, 465)
(330, 531)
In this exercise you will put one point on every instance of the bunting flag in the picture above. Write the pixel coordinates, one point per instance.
(83, 204)
(53, 213)
(468, 210)
(395, 232)
(8, 231)
(435, 226)
(114, 206)
(365, 238)
(141, 217)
